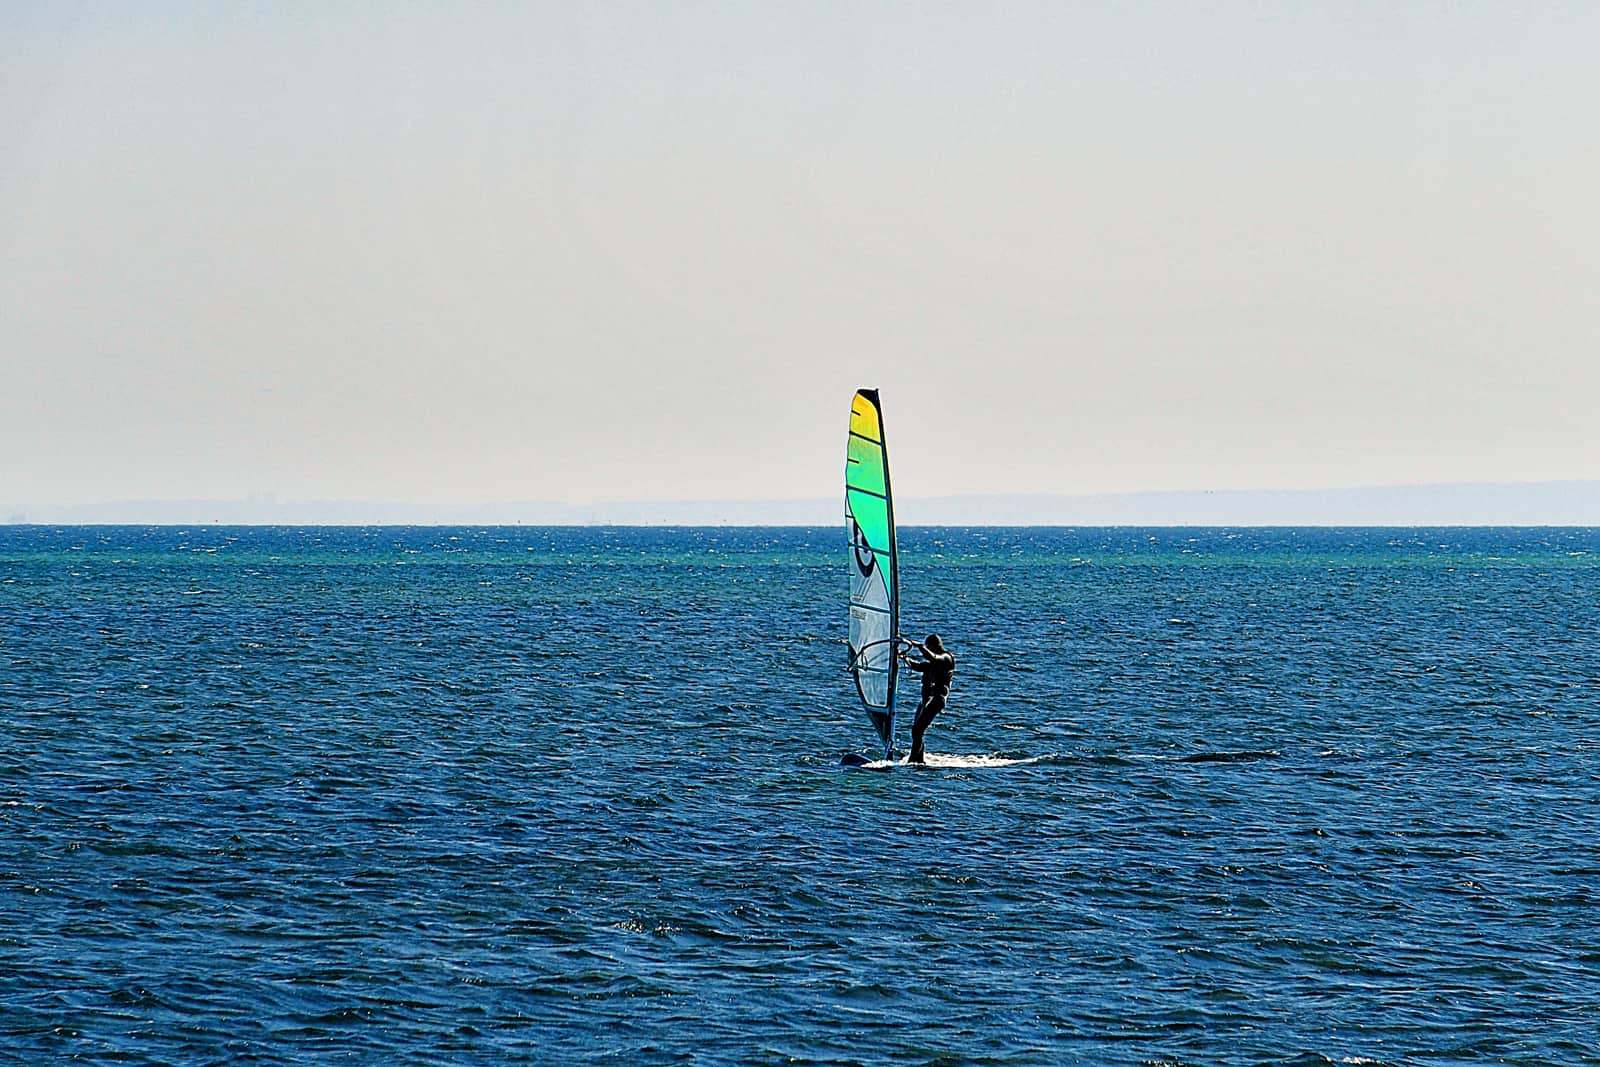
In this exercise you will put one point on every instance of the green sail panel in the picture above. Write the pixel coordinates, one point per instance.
(874, 566)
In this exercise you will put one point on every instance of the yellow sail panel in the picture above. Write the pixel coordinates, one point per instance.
(865, 421)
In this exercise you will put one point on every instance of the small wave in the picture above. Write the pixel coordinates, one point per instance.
(1132, 758)
(1244, 756)
(950, 759)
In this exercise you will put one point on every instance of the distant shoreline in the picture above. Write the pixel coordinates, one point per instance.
(1555, 503)
(214, 525)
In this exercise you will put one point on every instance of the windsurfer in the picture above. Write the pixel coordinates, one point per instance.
(937, 668)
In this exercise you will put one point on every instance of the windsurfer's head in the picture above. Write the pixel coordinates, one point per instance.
(934, 643)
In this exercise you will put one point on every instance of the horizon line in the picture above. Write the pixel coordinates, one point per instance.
(276, 498)
(1566, 502)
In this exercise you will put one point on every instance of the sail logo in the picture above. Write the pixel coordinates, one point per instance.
(866, 562)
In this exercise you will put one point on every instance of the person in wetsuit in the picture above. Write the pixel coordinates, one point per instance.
(937, 668)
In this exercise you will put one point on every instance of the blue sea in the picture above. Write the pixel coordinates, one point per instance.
(573, 795)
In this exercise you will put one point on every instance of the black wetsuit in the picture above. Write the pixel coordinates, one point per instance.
(937, 672)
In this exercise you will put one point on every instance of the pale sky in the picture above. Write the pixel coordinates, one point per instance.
(588, 252)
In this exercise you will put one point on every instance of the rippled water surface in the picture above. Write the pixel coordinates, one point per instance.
(573, 796)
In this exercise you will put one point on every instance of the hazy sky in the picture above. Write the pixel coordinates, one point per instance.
(646, 251)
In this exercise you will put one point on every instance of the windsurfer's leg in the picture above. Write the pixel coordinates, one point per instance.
(918, 725)
(931, 705)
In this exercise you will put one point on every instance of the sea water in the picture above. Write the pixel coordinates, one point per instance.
(385, 795)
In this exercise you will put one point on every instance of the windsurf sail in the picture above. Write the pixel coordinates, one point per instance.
(874, 567)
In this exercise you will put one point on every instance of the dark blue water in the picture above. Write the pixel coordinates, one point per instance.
(572, 796)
